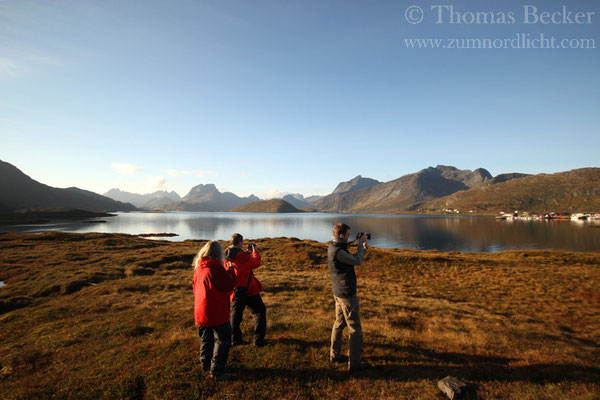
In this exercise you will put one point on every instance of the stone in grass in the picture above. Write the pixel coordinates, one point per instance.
(452, 387)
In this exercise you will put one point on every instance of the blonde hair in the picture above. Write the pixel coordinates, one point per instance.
(212, 249)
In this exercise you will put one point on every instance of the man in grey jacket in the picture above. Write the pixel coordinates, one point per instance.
(343, 279)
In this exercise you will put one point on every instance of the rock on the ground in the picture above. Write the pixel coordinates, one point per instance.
(452, 387)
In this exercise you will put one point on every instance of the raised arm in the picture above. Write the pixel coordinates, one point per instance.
(249, 260)
(352, 259)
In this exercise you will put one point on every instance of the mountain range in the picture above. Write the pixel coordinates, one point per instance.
(18, 191)
(208, 198)
(204, 197)
(403, 194)
(433, 189)
(148, 201)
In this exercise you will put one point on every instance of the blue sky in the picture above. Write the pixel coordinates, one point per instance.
(268, 97)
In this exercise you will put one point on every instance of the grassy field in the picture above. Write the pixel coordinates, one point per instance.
(111, 316)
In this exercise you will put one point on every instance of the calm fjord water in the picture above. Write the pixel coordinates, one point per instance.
(423, 232)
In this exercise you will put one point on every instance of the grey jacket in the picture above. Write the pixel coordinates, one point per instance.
(341, 267)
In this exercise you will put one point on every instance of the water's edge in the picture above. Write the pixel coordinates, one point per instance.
(391, 231)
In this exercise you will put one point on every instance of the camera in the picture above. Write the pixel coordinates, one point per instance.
(251, 246)
(360, 234)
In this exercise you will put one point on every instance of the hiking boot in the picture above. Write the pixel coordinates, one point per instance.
(359, 368)
(221, 377)
(338, 359)
(263, 343)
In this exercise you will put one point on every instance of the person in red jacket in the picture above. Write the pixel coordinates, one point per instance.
(247, 290)
(212, 287)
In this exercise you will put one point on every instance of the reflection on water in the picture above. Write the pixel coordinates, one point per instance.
(448, 233)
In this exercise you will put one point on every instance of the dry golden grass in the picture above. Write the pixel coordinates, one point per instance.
(107, 315)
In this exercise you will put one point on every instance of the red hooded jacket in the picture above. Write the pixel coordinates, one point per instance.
(243, 262)
(212, 286)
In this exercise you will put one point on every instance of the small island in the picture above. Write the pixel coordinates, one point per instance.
(268, 206)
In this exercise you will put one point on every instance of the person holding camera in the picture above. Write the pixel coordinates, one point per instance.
(212, 286)
(343, 279)
(247, 290)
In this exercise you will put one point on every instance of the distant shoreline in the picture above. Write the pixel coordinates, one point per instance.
(35, 216)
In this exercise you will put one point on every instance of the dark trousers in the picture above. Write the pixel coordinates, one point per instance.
(216, 341)
(256, 305)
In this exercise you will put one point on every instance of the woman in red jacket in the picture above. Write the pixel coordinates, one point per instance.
(212, 287)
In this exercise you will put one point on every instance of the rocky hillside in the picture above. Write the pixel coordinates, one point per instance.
(354, 184)
(507, 177)
(268, 206)
(577, 190)
(405, 193)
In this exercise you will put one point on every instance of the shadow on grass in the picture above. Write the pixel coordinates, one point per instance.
(410, 363)
(416, 353)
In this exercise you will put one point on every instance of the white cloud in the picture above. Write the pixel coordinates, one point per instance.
(125, 169)
(245, 174)
(197, 173)
(202, 174)
(156, 182)
(272, 194)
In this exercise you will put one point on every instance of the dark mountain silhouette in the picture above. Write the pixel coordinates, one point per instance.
(268, 206)
(19, 191)
(147, 201)
(208, 198)
(404, 193)
(577, 190)
(299, 201)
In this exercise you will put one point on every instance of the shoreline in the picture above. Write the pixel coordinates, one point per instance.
(160, 236)
(76, 214)
(178, 237)
(46, 216)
